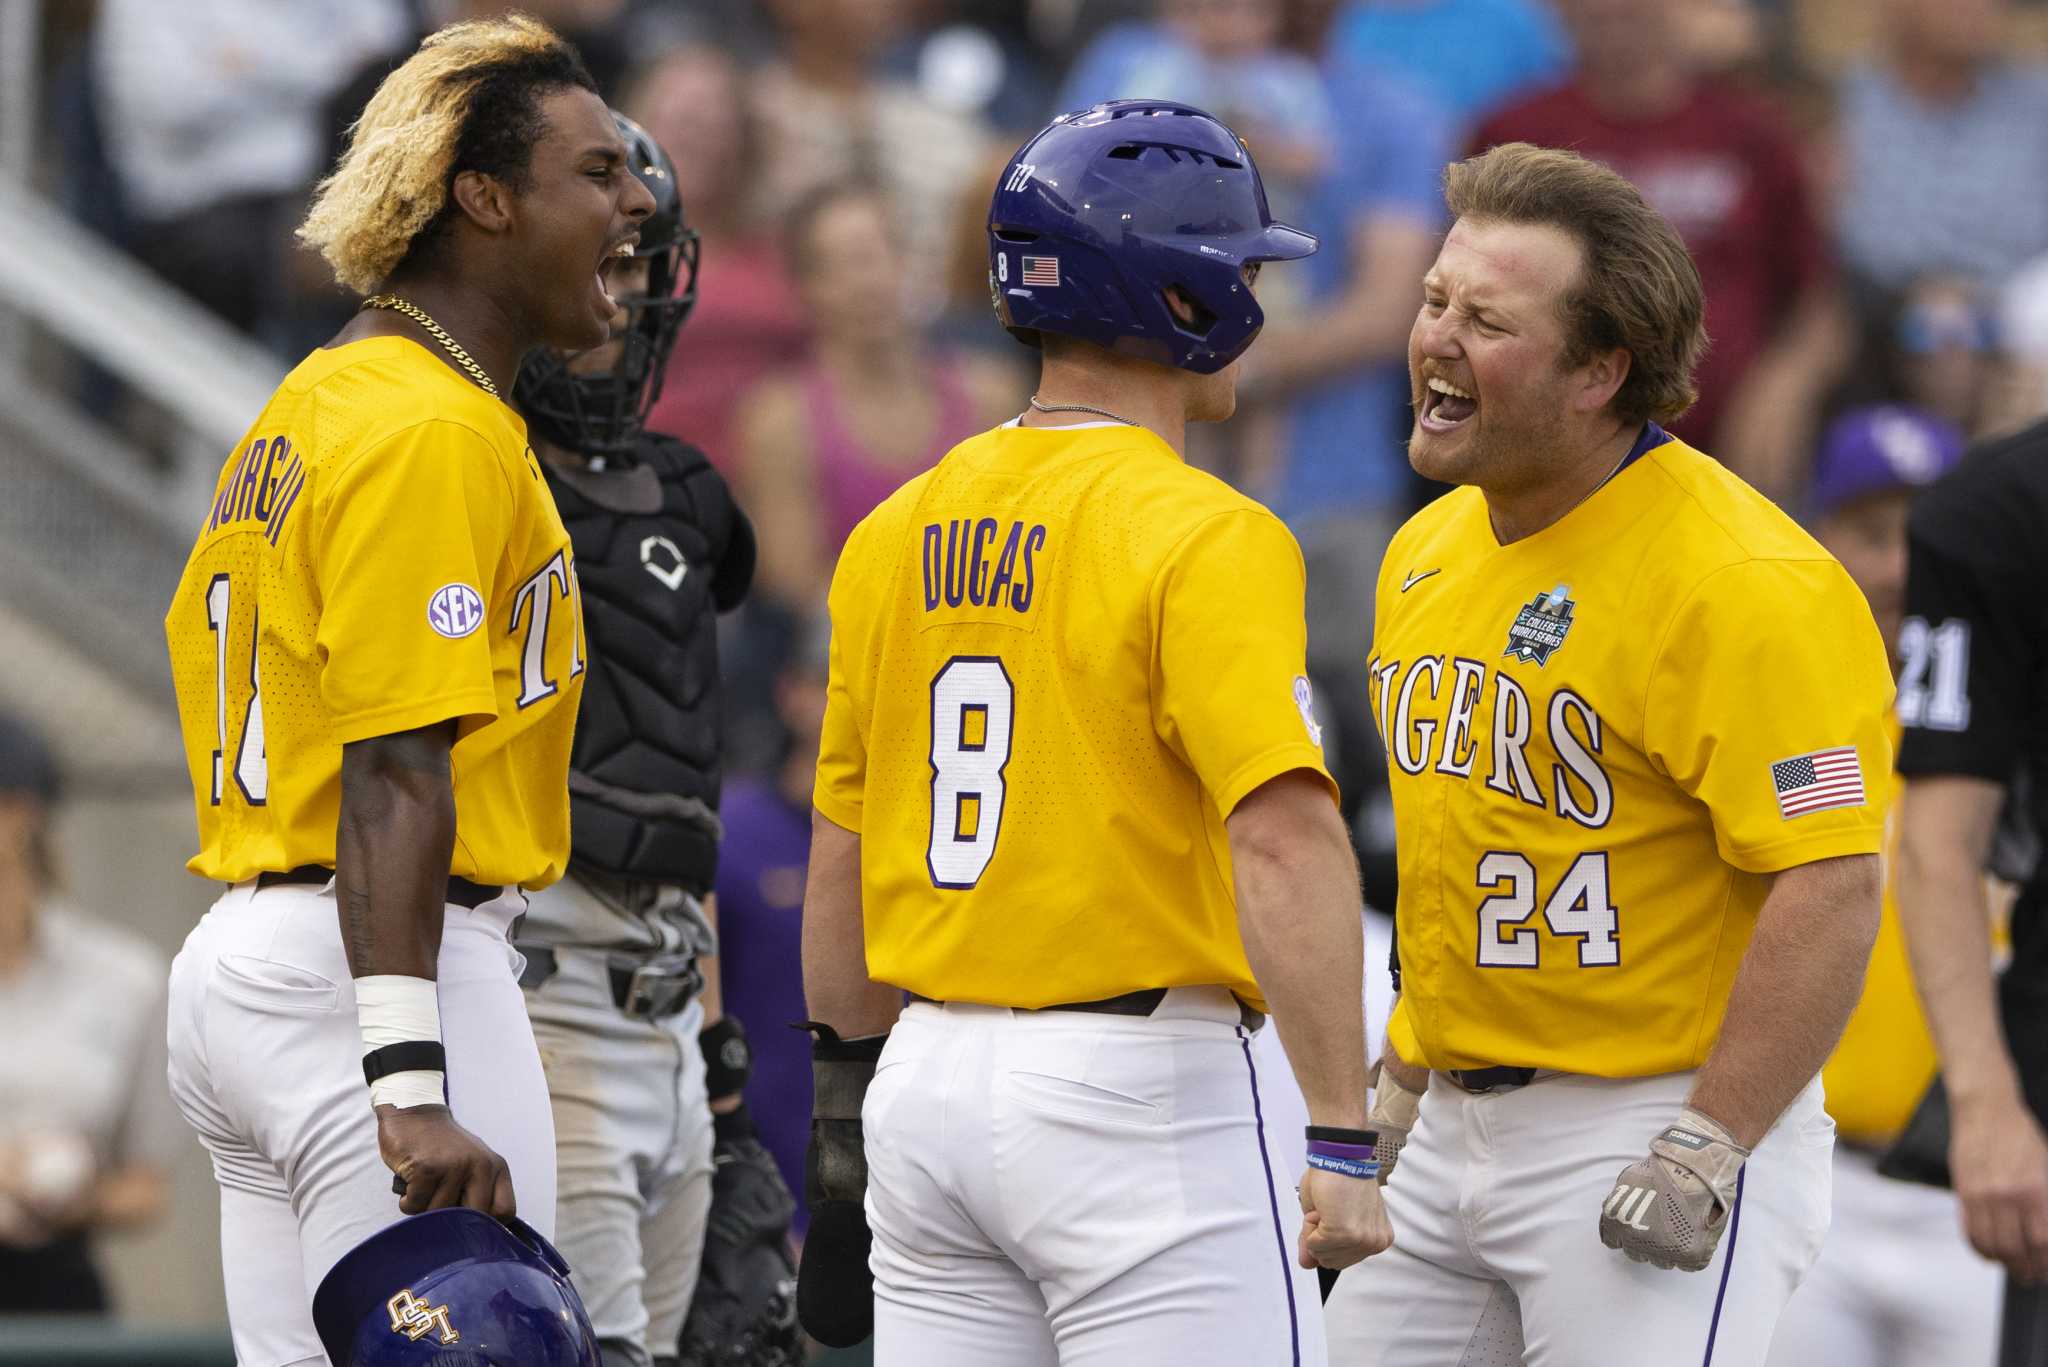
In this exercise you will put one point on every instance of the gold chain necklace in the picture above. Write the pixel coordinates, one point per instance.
(438, 333)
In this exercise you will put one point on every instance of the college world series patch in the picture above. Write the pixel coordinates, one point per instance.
(1539, 629)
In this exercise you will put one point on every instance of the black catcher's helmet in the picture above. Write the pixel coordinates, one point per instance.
(601, 412)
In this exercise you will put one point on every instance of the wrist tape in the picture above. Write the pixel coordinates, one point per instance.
(400, 1020)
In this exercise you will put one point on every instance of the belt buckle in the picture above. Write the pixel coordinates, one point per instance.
(662, 986)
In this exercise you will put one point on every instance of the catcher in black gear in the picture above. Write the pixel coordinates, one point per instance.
(744, 1312)
(619, 954)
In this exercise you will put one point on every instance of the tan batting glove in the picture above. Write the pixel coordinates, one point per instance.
(1670, 1208)
(1393, 1115)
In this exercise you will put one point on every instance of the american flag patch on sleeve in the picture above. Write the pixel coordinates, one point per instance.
(1818, 782)
(1041, 270)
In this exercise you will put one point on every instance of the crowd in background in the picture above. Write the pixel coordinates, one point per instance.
(1871, 231)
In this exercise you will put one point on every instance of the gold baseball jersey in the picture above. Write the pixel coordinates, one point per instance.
(1886, 1057)
(1059, 660)
(381, 554)
(1603, 739)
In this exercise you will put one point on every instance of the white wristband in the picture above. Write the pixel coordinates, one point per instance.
(392, 1008)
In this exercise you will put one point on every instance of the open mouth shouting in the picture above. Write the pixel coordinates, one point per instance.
(615, 253)
(1445, 406)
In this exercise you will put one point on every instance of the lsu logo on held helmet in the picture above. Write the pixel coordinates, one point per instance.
(413, 1318)
(453, 1286)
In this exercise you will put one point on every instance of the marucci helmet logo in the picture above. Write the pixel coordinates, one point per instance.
(413, 1318)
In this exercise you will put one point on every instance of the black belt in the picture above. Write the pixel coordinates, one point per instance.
(461, 892)
(1143, 1002)
(1500, 1079)
(646, 987)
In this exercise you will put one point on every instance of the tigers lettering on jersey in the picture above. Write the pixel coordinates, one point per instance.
(1588, 734)
(1059, 660)
(1570, 731)
(377, 558)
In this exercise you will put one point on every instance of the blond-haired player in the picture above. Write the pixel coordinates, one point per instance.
(1071, 797)
(1634, 717)
(377, 648)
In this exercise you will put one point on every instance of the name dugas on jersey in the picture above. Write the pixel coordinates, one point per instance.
(1059, 660)
(1603, 741)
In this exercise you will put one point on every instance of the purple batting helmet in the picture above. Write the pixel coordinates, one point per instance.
(1096, 216)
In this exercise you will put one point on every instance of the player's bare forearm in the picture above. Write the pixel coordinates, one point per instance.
(393, 846)
(837, 989)
(1298, 909)
(1945, 826)
(1793, 994)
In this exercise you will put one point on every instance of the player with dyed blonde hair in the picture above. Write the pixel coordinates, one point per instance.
(378, 648)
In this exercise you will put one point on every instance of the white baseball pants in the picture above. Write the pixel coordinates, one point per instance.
(266, 1064)
(1497, 1259)
(1897, 1285)
(1085, 1190)
(633, 1150)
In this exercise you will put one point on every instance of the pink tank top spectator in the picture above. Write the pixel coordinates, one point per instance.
(874, 404)
(851, 479)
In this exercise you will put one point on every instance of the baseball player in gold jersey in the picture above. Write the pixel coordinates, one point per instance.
(1071, 799)
(377, 648)
(1635, 718)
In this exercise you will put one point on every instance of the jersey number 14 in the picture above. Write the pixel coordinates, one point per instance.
(252, 765)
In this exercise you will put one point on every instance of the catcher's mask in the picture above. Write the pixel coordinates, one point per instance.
(601, 412)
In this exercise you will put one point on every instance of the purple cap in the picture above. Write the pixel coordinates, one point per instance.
(1872, 450)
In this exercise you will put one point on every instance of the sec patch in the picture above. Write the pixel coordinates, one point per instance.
(455, 610)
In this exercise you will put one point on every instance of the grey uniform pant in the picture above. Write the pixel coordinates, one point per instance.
(633, 1151)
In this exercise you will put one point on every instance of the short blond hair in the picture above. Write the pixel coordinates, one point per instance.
(467, 100)
(1638, 290)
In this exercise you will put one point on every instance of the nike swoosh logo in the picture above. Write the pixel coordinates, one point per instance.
(1413, 579)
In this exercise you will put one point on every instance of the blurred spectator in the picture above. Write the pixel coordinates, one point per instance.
(1468, 56)
(212, 115)
(1221, 56)
(84, 1110)
(747, 322)
(1342, 479)
(2019, 391)
(1943, 342)
(1727, 174)
(1945, 142)
(760, 901)
(826, 114)
(875, 404)
(976, 59)
(1896, 1284)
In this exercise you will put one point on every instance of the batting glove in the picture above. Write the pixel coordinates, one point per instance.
(835, 1290)
(1670, 1208)
(1392, 1115)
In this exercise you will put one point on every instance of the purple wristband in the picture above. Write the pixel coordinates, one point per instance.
(1330, 1148)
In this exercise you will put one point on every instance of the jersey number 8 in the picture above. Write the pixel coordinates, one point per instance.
(973, 704)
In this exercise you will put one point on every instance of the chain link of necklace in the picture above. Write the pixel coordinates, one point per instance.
(1078, 408)
(438, 333)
